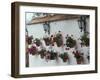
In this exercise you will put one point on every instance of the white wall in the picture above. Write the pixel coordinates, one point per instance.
(65, 26)
(70, 27)
(5, 40)
(36, 30)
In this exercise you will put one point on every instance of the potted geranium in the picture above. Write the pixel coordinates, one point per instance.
(42, 53)
(64, 56)
(29, 39)
(47, 41)
(33, 50)
(37, 42)
(70, 42)
(85, 39)
(59, 39)
(78, 56)
(47, 55)
(53, 55)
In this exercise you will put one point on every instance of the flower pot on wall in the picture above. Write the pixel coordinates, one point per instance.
(59, 42)
(64, 57)
(80, 60)
(53, 55)
(58, 39)
(70, 42)
(42, 53)
(47, 41)
(78, 57)
(33, 50)
(37, 42)
(29, 40)
(85, 39)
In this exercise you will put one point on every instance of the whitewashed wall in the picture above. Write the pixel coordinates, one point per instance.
(69, 27)
(65, 26)
(36, 30)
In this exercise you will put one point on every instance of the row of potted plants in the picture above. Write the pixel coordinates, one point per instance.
(51, 55)
(58, 39)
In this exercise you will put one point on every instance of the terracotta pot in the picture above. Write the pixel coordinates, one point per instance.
(29, 40)
(65, 60)
(79, 62)
(47, 41)
(37, 43)
(53, 55)
(42, 56)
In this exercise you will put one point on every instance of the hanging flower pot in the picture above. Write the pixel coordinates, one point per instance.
(78, 57)
(53, 55)
(52, 40)
(42, 56)
(37, 42)
(65, 60)
(85, 39)
(33, 50)
(47, 41)
(70, 42)
(29, 40)
(59, 42)
(80, 60)
(42, 53)
(64, 57)
(59, 39)
(47, 56)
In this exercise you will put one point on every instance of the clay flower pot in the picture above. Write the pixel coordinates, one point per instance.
(47, 56)
(42, 56)
(53, 55)
(42, 53)
(64, 57)
(29, 40)
(78, 57)
(37, 42)
(33, 50)
(70, 42)
(58, 40)
(80, 60)
(47, 41)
